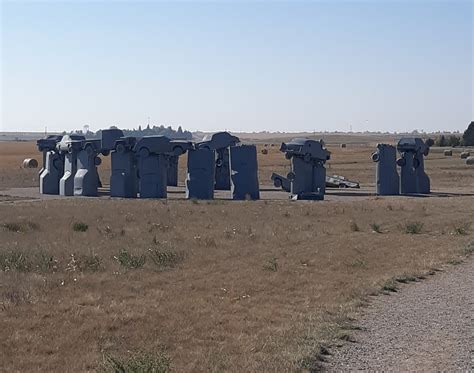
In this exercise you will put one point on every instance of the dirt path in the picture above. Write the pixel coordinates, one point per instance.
(427, 326)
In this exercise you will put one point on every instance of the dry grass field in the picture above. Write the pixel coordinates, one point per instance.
(272, 285)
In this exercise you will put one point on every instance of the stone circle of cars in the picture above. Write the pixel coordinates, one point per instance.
(144, 167)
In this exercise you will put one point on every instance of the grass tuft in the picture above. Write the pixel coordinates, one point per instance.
(80, 227)
(389, 286)
(20, 227)
(404, 279)
(271, 265)
(311, 363)
(413, 228)
(166, 258)
(375, 228)
(129, 260)
(359, 263)
(469, 249)
(90, 263)
(45, 262)
(345, 336)
(462, 230)
(137, 363)
(15, 261)
(19, 261)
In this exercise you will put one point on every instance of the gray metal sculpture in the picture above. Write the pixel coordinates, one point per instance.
(422, 179)
(145, 166)
(53, 165)
(152, 153)
(386, 176)
(172, 175)
(413, 178)
(332, 181)
(109, 139)
(220, 143)
(86, 179)
(338, 181)
(123, 179)
(308, 175)
(280, 181)
(200, 176)
(69, 146)
(244, 172)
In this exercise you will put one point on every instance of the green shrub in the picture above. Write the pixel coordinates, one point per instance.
(389, 286)
(80, 227)
(413, 228)
(376, 228)
(20, 227)
(129, 260)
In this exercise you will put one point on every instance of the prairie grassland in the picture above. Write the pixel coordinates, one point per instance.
(89, 284)
(239, 286)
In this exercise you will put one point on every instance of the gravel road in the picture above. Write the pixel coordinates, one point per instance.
(425, 327)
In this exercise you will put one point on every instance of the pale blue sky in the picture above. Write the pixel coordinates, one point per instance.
(241, 66)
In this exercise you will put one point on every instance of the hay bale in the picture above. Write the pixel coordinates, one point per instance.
(448, 152)
(343, 145)
(465, 154)
(264, 151)
(30, 163)
(470, 160)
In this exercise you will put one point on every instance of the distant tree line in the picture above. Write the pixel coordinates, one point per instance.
(147, 131)
(467, 138)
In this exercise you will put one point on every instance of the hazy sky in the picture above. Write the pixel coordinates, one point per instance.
(241, 66)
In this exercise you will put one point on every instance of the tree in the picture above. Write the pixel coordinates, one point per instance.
(453, 141)
(441, 141)
(161, 130)
(468, 136)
